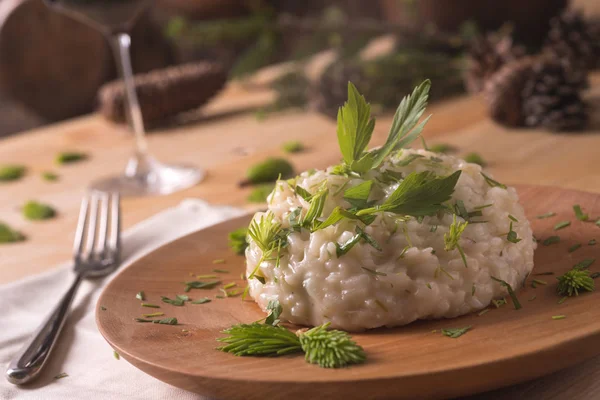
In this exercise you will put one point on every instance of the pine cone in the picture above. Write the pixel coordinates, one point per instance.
(486, 55)
(552, 96)
(331, 91)
(572, 37)
(502, 92)
(166, 92)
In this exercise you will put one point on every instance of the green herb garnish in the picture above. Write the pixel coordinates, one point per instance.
(103, 308)
(551, 240)
(9, 235)
(585, 263)
(229, 285)
(358, 196)
(592, 242)
(275, 311)
(200, 285)
(178, 301)
(140, 296)
(455, 332)
(11, 172)
(374, 272)
(512, 235)
(166, 321)
(150, 305)
(260, 193)
(574, 281)
(116, 355)
(36, 211)
(156, 314)
(559, 317)
(511, 292)
(69, 157)
(269, 171)
(579, 213)
(330, 348)
(475, 158)
(61, 375)
(547, 215)
(293, 147)
(452, 238)
(499, 303)
(562, 300)
(492, 182)
(539, 282)
(561, 225)
(259, 340)
(49, 176)
(484, 311)
(237, 240)
(201, 301)
(574, 247)
(442, 148)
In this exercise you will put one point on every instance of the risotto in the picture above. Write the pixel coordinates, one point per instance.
(361, 262)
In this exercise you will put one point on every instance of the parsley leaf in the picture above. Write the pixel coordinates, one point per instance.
(358, 196)
(275, 311)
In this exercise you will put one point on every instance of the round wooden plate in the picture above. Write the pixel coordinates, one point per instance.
(505, 346)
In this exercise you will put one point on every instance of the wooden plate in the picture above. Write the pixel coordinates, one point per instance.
(504, 347)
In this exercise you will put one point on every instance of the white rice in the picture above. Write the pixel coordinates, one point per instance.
(314, 286)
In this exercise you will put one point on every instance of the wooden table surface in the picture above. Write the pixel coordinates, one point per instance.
(226, 138)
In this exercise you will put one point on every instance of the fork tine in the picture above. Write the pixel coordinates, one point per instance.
(115, 225)
(91, 226)
(80, 231)
(103, 228)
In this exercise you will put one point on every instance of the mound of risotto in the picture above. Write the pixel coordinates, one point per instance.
(390, 236)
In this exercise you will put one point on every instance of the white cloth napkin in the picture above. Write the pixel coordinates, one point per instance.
(82, 353)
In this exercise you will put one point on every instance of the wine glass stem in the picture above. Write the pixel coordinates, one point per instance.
(121, 43)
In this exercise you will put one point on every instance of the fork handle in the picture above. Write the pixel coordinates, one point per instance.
(28, 363)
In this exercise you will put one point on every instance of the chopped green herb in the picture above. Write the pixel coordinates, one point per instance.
(461, 210)
(11, 172)
(455, 332)
(237, 240)
(206, 276)
(69, 157)
(544, 273)
(201, 301)
(260, 193)
(221, 271)
(275, 311)
(592, 242)
(539, 282)
(492, 182)
(358, 196)
(269, 171)
(585, 263)
(49, 176)
(140, 296)
(35, 211)
(562, 300)
(561, 225)
(218, 296)
(595, 275)
(433, 228)
(547, 215)
(116, 355)
(103, 308)
(499, 303)
(315, 209)
(475, 158)
(150, 305)
(598, 222)
(442, 148)
(156, 314)
(551, 240)
(374, 272)
(579, 213)
(559, 317)
(229, 285)
(166, 321)
(483, 206)
(484, 311)
(574, 247)
(200, 285)
(512, 218)
(61, 375)
(9, 235)
(473, 290)
(218, 261)
(452, 238)
(574, 281)
(512, 235)
(178, 301)
(293, 147)
(511, 292)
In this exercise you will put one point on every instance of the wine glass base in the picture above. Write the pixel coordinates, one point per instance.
(160, 179)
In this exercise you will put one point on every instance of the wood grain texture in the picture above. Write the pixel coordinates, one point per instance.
(504, 347)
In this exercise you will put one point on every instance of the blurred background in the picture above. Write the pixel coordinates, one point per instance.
(54, 68)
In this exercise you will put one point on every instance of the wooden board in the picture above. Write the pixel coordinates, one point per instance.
(505, 346)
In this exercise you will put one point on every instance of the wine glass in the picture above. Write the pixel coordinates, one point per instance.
(144, 175)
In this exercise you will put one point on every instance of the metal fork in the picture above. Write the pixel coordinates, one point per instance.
(96, 253)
